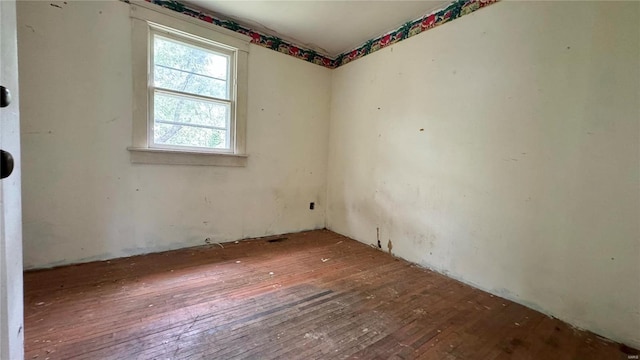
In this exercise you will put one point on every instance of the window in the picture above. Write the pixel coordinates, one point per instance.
(189, 91)
(192, 94)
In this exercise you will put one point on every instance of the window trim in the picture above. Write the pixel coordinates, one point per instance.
(146, 19)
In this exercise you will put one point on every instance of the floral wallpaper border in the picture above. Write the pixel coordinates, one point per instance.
(453, 11)
(270, 42)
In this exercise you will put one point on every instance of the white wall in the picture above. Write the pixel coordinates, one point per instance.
(503, 150)
(84, 200)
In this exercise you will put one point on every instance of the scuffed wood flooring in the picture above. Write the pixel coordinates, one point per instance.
(310, 295)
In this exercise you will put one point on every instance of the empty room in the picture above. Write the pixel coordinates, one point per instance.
(206, 179)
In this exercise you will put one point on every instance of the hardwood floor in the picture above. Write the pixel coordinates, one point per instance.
(308, 295)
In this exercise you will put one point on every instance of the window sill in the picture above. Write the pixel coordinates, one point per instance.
(176, 157)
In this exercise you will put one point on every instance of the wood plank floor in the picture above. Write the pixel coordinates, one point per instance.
(310, 295)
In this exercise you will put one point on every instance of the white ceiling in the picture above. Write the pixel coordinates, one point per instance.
(328, 27)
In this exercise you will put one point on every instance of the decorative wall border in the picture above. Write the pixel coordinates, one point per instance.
(268, 41)
(453, 11)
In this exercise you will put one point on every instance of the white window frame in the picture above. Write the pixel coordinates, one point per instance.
(148, 19)
(219, 49)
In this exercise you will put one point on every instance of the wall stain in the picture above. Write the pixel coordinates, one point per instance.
(37, 132)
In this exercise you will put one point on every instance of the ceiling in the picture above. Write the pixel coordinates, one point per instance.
(328, 27)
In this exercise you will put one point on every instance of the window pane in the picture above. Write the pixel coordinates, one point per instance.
(184, 121)
(184, 67)
(183, 135)
(176, 108)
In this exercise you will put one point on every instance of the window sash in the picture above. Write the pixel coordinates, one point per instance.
(189, 95)
(189, 72)
(152, 122)
(231, 83)
(168, 122)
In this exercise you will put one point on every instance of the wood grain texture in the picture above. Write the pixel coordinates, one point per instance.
(309, 295)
